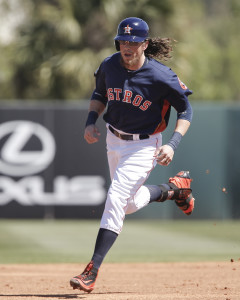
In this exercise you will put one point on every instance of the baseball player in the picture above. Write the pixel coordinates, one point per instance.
(138, 92)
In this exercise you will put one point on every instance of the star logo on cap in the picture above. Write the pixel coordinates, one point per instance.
(128, 29)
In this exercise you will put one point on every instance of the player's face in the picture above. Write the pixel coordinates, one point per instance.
(133, 54)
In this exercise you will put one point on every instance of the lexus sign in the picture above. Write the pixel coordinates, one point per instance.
(16, 161)
(28, 170)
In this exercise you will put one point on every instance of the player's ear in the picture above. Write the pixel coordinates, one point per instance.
(145, 45)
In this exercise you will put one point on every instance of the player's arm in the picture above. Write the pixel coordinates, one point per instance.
(165, 153)
(91, 133)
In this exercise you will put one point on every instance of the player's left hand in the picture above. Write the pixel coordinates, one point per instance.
(164, 155)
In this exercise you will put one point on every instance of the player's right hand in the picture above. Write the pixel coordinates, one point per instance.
(91, 134)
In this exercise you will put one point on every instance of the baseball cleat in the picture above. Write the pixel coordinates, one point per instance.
(185, 201)
(86, 280)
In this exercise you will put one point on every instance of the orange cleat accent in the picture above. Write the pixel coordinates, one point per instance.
(86, 280)
(183, 181)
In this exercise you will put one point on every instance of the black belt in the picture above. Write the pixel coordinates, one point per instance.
(127, 137)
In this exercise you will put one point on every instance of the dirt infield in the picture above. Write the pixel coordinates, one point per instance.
(219, 281)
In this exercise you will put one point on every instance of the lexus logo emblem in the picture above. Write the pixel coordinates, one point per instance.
(15, 159)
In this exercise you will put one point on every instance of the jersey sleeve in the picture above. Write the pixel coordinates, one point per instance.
(100, 92)
(187, 114)
(178, 98)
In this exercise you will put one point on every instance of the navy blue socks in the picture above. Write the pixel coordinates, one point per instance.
(104, 242)
(156, 191)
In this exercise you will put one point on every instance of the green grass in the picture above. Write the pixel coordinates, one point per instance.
(141, 241)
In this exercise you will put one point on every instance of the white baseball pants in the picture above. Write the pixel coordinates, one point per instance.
(130, 164)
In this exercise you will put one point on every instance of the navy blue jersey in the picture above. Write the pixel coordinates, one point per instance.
(139, 102)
